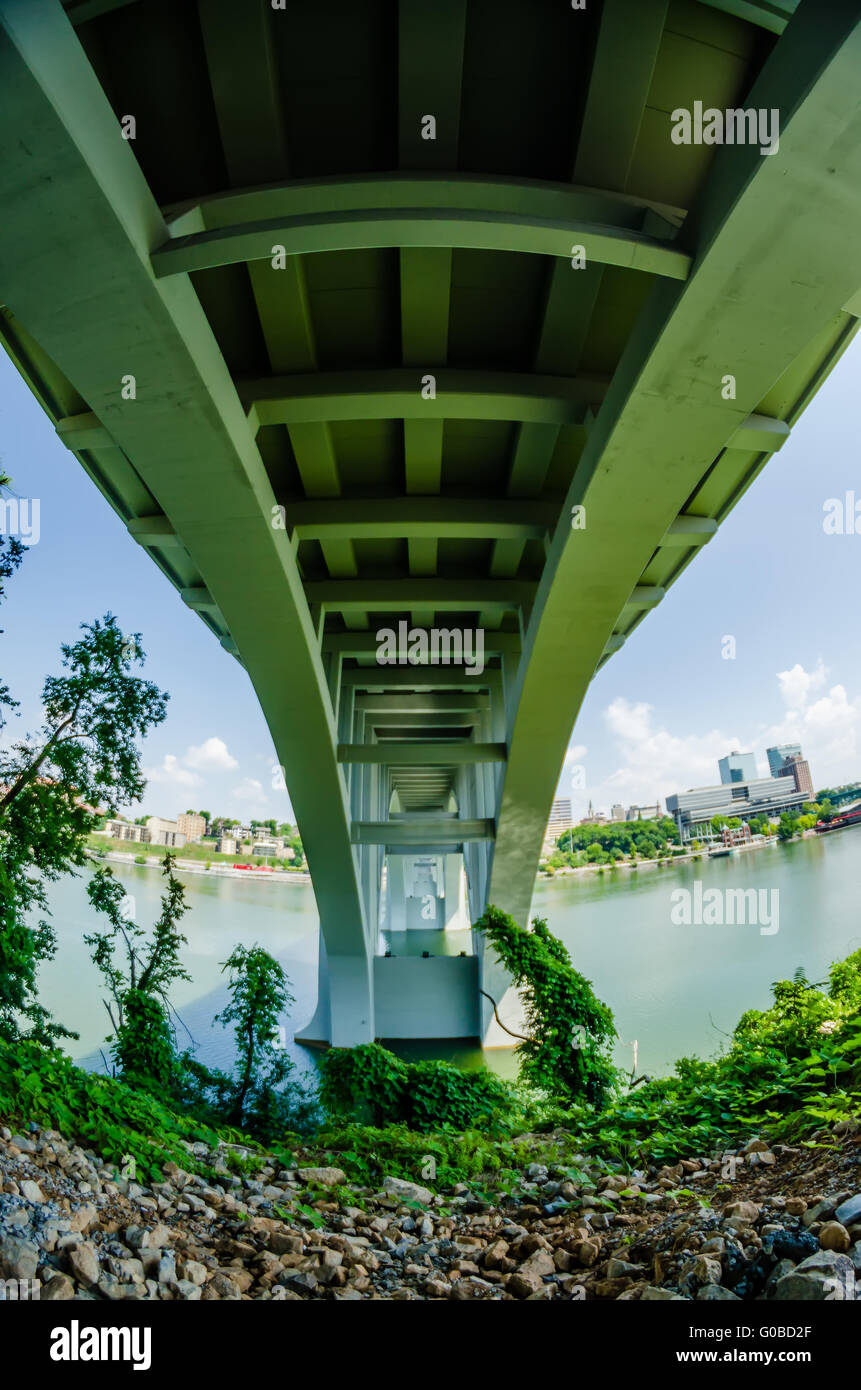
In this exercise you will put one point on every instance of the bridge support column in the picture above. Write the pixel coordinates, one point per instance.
(396, 898)
(456, 916)
(344, 1016)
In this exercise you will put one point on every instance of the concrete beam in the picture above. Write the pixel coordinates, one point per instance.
(412, 754)
(425, 830)
(363, 518)
(259, 229)
(397, 394)
(360, 644)
(759, 433)
(439, 595)
(421, 677)
(690, 530)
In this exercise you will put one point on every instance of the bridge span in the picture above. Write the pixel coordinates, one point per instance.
(364, 314)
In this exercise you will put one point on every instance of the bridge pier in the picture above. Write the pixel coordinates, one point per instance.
(344, 1016)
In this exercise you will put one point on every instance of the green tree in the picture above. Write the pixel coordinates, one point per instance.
(262, 1097)
(83, 758)
(139, 970)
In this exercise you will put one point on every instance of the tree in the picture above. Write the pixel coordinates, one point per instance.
(138, 981)
(54, 783)
(262, 1097)
(11, 555)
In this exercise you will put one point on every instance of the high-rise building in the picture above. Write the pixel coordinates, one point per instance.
(559, 821)
(193, 827)
(737, 767)
(778, 754)
(799, 768)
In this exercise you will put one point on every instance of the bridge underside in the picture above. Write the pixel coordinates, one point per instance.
(348, 309)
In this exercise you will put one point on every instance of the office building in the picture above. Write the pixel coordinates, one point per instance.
(762, 796)
(778, 754)
(799, 768)
(560, 820)
(738, 767)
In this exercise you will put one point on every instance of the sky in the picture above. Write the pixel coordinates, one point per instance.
(777, 578)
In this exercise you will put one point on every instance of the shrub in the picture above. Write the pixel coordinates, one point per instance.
(370, 1083)
(570, 1030)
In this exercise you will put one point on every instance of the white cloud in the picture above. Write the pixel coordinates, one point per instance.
(171, 771)
(248, 788)
(254, 800)
(652, 761)
(210, 756)
(797, 684)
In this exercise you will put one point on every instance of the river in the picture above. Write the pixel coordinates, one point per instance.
(675, 990)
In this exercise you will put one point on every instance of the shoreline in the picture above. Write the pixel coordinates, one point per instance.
(189, 866)
(302, 876)
(666, 863)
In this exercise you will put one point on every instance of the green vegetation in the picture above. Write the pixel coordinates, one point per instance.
(40, 1083)
(570, 1030)
(139, 972)
(373, 1085)
(615, 842)
(84, 754)
(789, 1070)
(263, 1097)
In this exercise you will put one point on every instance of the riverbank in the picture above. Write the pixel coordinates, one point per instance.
(663, 861)
(258, 872)
(188, 866)
(246, 1226)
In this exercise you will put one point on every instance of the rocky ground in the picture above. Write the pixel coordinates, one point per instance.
(778, 1223)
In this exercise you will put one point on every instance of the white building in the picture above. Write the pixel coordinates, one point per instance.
(559, 821)
(125, 830)
(165, 832)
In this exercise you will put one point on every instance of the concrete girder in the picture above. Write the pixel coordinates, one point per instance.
(743, 310)
(402, 226)
(397, 393)
(50, 265)
(429, 754)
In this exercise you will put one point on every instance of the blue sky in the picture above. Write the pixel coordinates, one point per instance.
(656, 718)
